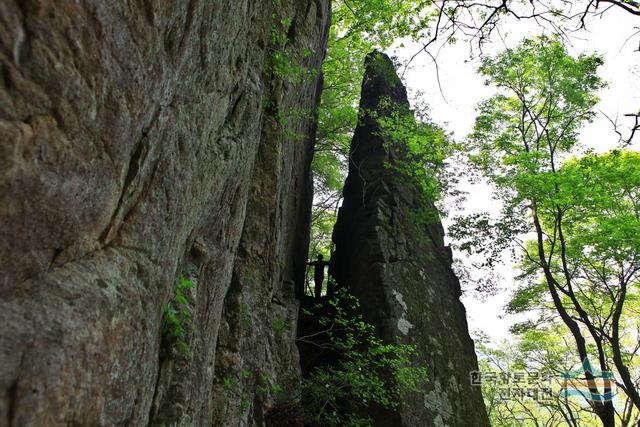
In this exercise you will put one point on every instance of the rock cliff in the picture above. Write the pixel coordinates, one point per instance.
(155, 199)
(399, 268)
(144, 144)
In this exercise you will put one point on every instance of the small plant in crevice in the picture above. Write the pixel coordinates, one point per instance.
(245, 404)
(229, 383)
(278, 325)
(245, 314)
(177, 319)
(288, 64)
(265, 387)
(286, 61)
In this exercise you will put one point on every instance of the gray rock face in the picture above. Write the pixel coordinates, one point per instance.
(400, 270)
(256, 356)
(141, 141)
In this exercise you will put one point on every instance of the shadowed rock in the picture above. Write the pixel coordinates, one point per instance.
(135, 148)
(399, 268)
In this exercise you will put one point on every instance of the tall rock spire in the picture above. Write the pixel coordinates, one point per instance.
(400, 269)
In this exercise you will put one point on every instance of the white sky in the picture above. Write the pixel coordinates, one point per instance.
(463, 89)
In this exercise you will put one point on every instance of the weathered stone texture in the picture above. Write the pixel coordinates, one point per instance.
(399, 269)
(129, 132)
(256, 356)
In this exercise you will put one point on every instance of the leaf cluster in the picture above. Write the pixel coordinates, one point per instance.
(177, 317)
(367, 372)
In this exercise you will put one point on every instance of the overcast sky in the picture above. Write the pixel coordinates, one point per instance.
(463, 88)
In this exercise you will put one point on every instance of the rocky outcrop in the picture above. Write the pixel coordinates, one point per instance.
(141, 142)
(398, 266)
(256, 356)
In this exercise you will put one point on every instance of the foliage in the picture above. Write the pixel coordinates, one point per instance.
(545, 351)
(358, 28)
(582, 211)
(418, 150)
(523, 132)
(600, 203)
(279, 325)
(539, 351)
(286, 61)
(361, 26)
(288, 64)
(600, 195)
(367, 371)
(177, 317)
(323, 219)
(583, 261)
(546, 96)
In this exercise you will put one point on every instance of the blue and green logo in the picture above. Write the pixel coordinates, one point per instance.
(589, 382)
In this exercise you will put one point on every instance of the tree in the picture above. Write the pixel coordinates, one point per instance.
(475, 21)
(361, 26)
(540, 356)
(356, 370)
(358, 28)
(583, 213)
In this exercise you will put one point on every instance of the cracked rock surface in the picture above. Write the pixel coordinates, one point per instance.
(135, 148)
